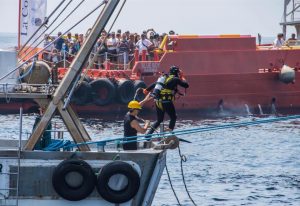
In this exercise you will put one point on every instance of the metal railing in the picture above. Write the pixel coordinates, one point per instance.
(17, 173)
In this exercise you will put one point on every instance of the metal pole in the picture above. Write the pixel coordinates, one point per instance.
(19, 26)
(284, 18)
(65, 57)
(19, 154)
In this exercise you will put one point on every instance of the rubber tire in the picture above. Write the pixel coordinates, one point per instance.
(67, 192)
(139, 84)
(113, 168)
(82, 94)
(125, 91)
(105, 85)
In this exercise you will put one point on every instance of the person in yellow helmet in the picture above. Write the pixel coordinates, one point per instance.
(131, 124)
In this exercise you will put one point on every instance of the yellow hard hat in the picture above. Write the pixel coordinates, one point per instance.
(134, 105)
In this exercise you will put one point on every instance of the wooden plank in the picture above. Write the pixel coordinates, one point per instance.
(41, 126)
(72, 126)
(81, 128)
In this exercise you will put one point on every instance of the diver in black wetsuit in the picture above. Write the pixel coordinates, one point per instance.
(165, 97)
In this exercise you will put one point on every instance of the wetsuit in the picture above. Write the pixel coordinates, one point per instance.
(164, 103)
(129, 132)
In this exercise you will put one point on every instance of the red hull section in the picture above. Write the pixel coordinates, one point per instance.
(226, 73)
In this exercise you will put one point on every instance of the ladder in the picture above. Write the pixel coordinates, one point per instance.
(7, 200)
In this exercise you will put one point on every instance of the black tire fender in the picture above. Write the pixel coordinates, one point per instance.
(125, 91)
(71, 192)
(123, 195)
(104, 91)
(82, 94)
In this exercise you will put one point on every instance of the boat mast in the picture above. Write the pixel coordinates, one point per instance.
(76, 129)
(19, 24)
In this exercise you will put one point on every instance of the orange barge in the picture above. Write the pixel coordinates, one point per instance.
(226, 73)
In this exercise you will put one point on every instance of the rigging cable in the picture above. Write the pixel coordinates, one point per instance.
(55, 28)
(94, 58)
(78, 81)
(43, 24)
(46, 30)
(39, 52)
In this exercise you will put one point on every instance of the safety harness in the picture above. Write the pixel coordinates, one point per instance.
(166, 95)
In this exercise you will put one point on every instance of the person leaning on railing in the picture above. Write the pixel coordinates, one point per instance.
(279, 41)
(101, 49)
(123, 50)
(144, 44)
(292, 41)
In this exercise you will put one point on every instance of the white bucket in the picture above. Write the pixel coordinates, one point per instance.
(8, 61)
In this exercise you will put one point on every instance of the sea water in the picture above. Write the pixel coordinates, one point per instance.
(8, 40)
(253, 165)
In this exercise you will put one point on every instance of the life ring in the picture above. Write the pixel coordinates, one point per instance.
(125, 91)
(103, 91)
(73, 179)
(115, 170)
(82, 94)
(139, 95)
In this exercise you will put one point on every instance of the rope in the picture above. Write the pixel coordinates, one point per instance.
(28, 72)
(184, 159)
(177, 199)
(187, 131)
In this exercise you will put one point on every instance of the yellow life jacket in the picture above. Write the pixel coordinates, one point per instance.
(167, 94)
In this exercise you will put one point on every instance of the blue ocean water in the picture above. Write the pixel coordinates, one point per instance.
(8, 40)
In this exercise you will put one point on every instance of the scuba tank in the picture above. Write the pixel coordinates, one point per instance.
(158, 86)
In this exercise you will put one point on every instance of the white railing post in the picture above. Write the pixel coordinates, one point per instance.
(64, 58)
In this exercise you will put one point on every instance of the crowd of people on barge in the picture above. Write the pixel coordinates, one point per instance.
(118, 47)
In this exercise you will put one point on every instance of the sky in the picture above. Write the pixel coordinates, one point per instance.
(203, 17)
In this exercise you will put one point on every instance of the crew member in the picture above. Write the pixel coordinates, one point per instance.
(164, 100)
(132, 126)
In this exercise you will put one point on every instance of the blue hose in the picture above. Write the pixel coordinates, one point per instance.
(28, 72)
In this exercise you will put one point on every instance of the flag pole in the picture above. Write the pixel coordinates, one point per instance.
(19, 25)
